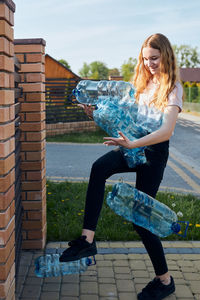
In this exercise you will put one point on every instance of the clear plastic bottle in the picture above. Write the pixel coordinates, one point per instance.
(143, 210)
(114, 117)
(49, 265)
(91, 92)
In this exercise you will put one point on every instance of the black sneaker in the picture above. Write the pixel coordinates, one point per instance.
(78, 248)
(156, 290)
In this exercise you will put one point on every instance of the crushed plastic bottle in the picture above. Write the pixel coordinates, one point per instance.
(90, 92)
(143, 210)
(49, 265)
(114, 117)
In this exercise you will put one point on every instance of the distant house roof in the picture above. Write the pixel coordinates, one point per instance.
(115, 77)
(54, 69)
(190, 74)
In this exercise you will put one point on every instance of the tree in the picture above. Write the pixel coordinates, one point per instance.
(95, 70)
(127, 68)
(64, 63)
(85, 71)
(187, 56)
(113, 72)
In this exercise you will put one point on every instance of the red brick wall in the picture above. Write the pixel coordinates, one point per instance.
(62, 128)
(31, 54)
(7, 148)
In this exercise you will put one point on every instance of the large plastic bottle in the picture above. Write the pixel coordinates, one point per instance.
(142, 210)
(49, 266)
(90, 92)
(114, 117)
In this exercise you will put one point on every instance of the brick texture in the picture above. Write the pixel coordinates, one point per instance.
(31, 54)
(7, 152)
(61, 128)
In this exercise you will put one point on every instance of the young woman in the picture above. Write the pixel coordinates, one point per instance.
(159, 96)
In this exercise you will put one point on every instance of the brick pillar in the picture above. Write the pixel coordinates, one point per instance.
(31, 54)
(7, 155)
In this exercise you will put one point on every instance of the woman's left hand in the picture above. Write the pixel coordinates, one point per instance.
(121, 141)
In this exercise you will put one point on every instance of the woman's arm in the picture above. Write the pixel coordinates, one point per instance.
(88, 109)
(162, 134)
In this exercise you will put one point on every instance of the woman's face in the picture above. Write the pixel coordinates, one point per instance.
(151, 58)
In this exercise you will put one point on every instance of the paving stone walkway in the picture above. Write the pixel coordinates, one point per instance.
(122, 270)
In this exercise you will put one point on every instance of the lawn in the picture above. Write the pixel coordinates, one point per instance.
(77, 137)
(65, 210)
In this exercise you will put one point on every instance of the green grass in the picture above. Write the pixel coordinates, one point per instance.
(65, 210)
(77, 137)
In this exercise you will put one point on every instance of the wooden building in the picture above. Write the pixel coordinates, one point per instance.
(54, 69)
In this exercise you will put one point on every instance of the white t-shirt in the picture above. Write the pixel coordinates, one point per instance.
(148, 115)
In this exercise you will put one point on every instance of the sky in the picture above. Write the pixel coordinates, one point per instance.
(109, 31)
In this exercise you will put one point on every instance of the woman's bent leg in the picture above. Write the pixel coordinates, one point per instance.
(111, 163)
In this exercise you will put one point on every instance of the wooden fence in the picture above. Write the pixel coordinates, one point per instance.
(60, 103)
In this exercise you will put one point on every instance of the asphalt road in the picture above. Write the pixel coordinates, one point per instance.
(67, 161)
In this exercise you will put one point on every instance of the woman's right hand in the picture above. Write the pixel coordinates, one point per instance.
(88, 109)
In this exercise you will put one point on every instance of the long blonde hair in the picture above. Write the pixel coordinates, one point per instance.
(168, 70)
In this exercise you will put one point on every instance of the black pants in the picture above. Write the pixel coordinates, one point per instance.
(148, 179)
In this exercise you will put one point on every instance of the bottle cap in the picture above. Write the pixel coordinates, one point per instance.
(88, 261)
(176, 227)
(75, 92)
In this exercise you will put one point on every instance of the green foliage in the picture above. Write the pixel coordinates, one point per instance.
(186, 84)
(64, 63)
(98, 70)
(85, 71)
(192, 91)
(127, 68)
(114, 72)
(187, 56)
(95, 70)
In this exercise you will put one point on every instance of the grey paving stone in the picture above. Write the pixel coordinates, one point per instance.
(31, 292)
(50, 296)
(88, 288)
(70, 289)
(106, 280)
(195, 286)
(108, 298)
(105, 272)
(107, 290)
(125, 285)
(192, 276)
(140, 273)
(105, 263)
(68, 298)
(74, 278)
(51, 287)
(183, 291)
(121, 263)
(88, 278)
(122, 270)
(127, 296)
(89, 297)
(138, 265)
(57, 279)
(34, 280)
(123, 276)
